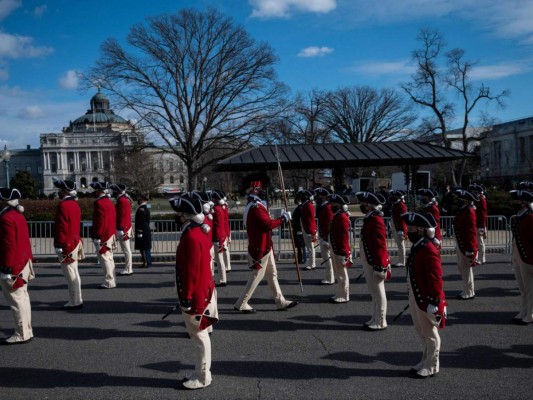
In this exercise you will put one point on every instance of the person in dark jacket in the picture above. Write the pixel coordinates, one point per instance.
(143, 234)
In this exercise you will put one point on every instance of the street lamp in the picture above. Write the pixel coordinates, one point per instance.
(205, 182)
(6, 156)
(374, 180)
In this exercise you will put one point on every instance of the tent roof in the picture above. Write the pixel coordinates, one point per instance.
(340, 155)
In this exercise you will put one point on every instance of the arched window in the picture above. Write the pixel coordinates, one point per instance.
(83, 182)
(171, 178)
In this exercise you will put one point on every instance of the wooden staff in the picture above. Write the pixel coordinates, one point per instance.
(282, 184)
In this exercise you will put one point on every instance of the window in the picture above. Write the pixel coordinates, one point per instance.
(162, 180)
(83, 182)
(171, 178)
(522, 150)
(497, 153)
(182, 180)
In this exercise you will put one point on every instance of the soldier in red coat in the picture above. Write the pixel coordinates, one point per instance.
(196, 289)
(428, 198)
(522, 255)
(259, 228)
(16, 267)
(325, 216)
(481, 219)
(339, 239)
(398, 227)
(67, 240)
(376, 263)
(427, 302)
(103, 232)
(220, 230)
(465, 229)
(308, 224)
(124, 231)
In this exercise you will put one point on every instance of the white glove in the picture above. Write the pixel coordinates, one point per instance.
(469, 253)
(437, 243)
(97, 243)
(286, 215)
(120, 234)
(481, 231)
(5, 277)
(58, 250)
(432, 309)
(139, 235)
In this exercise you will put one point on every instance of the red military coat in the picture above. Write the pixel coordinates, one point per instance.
(399, 208)
(259, 228)
(339, 234)
(481, 212)
(123, 211)
(374, 240)
(307, 218)
(104, 219)
(465, 229)
(325, 216)
(194, 280)
(15, 246)
(67, 225)
(219, 224)
(425, 275)
(433, 209)
(522, 227)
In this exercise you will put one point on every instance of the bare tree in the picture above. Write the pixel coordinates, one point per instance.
(138, 170)
(431, 86)
(198, 83)
(362, 114)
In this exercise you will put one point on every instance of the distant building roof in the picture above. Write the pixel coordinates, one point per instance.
(335, 155)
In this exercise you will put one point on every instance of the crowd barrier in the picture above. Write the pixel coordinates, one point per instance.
(165, 237)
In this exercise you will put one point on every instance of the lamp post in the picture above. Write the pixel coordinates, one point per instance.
(374, 180)
(6, 155)
(205, 182)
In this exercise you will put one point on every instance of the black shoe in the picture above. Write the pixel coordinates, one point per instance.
(290, 305)
(521, 322)
(221, 284)
(73, 307)
(250, 311)
(461, 297)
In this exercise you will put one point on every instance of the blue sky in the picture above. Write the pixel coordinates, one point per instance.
(322, 44)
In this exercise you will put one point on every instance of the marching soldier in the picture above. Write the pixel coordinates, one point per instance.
(124, 227)
(297, 231)
(259, 228)
(398, 227)
(522, 255)
(226, 254)
(103, 232)
(219, 235)
(143, 233)
(339, 238)
(427, 303)
(429, 201)
(16, 267)
(207, 210)
(465, 229)
(481, 219)
(325, 216)
(67, 240)
(308, 223)
(196, 290)
(376, 263)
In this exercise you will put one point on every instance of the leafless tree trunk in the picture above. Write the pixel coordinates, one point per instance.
(431, 86)
(197, 82)
(361, 114)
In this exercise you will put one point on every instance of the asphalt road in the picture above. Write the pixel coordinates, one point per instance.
(117, 346)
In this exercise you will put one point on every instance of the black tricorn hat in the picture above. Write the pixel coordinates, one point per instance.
(9, 194)
(476, 187)
(417, 219)
(527, 185)
(465, 194)
(64, 184)
(186, 204)
(426, 192)
(337, 198)
(522, 195)
(305, 194)
(117, 187)
(397, 193)
(371, 198)
(99, 185)
(322, 191)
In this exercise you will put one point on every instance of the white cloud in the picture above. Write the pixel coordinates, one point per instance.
(16, 46)
(488, 72)
(284, 8)
(70, 80)
(31, 112)
(7, 6)
(314, 51)
(402, 67)
(40, 10)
